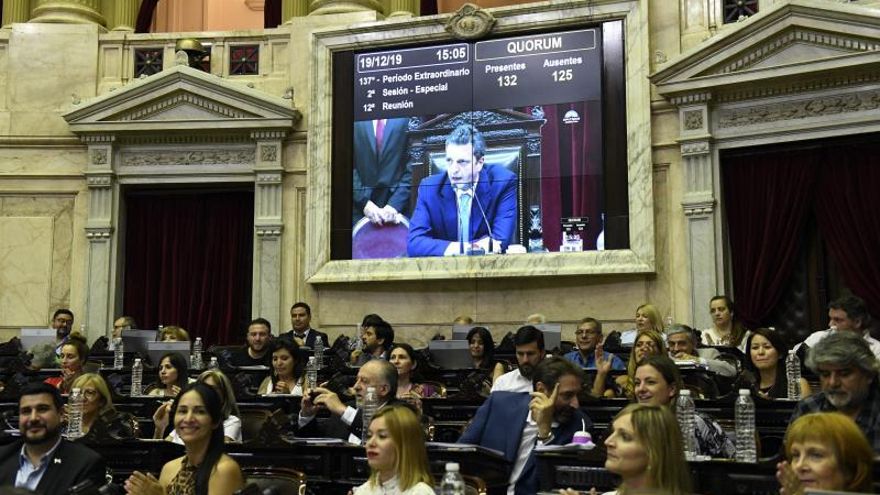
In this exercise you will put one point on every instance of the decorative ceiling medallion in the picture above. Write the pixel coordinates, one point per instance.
(470, 22)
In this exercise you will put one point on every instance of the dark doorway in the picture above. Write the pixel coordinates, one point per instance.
(188, 260)
(803, 230)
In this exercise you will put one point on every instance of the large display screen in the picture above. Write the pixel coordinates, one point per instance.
(494, 146)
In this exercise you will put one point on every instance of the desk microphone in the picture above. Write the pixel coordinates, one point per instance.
(463, 188)
(485, 220)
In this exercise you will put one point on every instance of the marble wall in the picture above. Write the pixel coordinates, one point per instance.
(49, 70)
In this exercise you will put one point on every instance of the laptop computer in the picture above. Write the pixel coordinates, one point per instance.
(137, 340)
(158, 349)
(552, 334)
(450, 354)
(32, 337)
(459, 332)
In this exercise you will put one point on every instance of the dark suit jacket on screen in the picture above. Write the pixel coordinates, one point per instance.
(434, 223)
(498, 424)
(384, 179)
(71, 463)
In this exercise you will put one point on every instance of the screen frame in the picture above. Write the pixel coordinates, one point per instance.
(639, 258)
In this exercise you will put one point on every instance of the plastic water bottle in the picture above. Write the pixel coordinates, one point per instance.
(196, 363)
(319, 353)
(685, 412)
(75, 414)
(137, 377)
(793, 375)
(213, 364)
(452, 483)
(312, 373)
(118, 354)
(371, 404)
(744, 411)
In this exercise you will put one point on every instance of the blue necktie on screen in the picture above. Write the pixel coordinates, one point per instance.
(464, 217)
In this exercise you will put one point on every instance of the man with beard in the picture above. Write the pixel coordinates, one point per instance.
(529, 344)
(44, 462)
(376, 341)
(301, 323)
(848, 371)
(515, 422)
(256, 352)
(62, 322)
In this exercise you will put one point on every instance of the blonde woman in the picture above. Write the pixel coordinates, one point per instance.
(648, 343)
(645, 450)
(173, 333)
(98, 407)
(397, 455)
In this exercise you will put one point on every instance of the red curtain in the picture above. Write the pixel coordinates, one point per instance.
(847, 213)
(571, 170)
(145, 16)
(767, 197)
(272, 14)
(188, 262)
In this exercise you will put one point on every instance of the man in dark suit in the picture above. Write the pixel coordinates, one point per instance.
(43, 461)
(470, 205)
(300, 320)
(514, 423)
(381, 176)
(346, 421)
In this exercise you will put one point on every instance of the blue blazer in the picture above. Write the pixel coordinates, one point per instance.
(434, 223)
(498, 424)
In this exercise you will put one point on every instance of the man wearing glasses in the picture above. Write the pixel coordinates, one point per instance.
(589, 335)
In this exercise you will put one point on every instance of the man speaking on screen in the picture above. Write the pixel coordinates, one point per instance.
(468, 209)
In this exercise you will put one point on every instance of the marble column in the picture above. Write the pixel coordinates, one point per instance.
(15, 11)
(698, 203)
(68, 12)
(268, 226)
(403, 8)
(699, 19)
(123, 16)
(102, 194)
(330, 7)
(294, 8)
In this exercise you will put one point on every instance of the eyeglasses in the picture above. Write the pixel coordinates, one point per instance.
(90, 393)
(584, 333)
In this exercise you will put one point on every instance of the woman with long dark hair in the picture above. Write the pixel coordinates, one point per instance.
(766, 351)
(205, 469)
(726, 330)
(287, 370)
(173, 376)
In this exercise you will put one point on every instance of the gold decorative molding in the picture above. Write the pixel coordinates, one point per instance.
(693, 120)
(470, 22)
(193, 157)
(802, 109)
